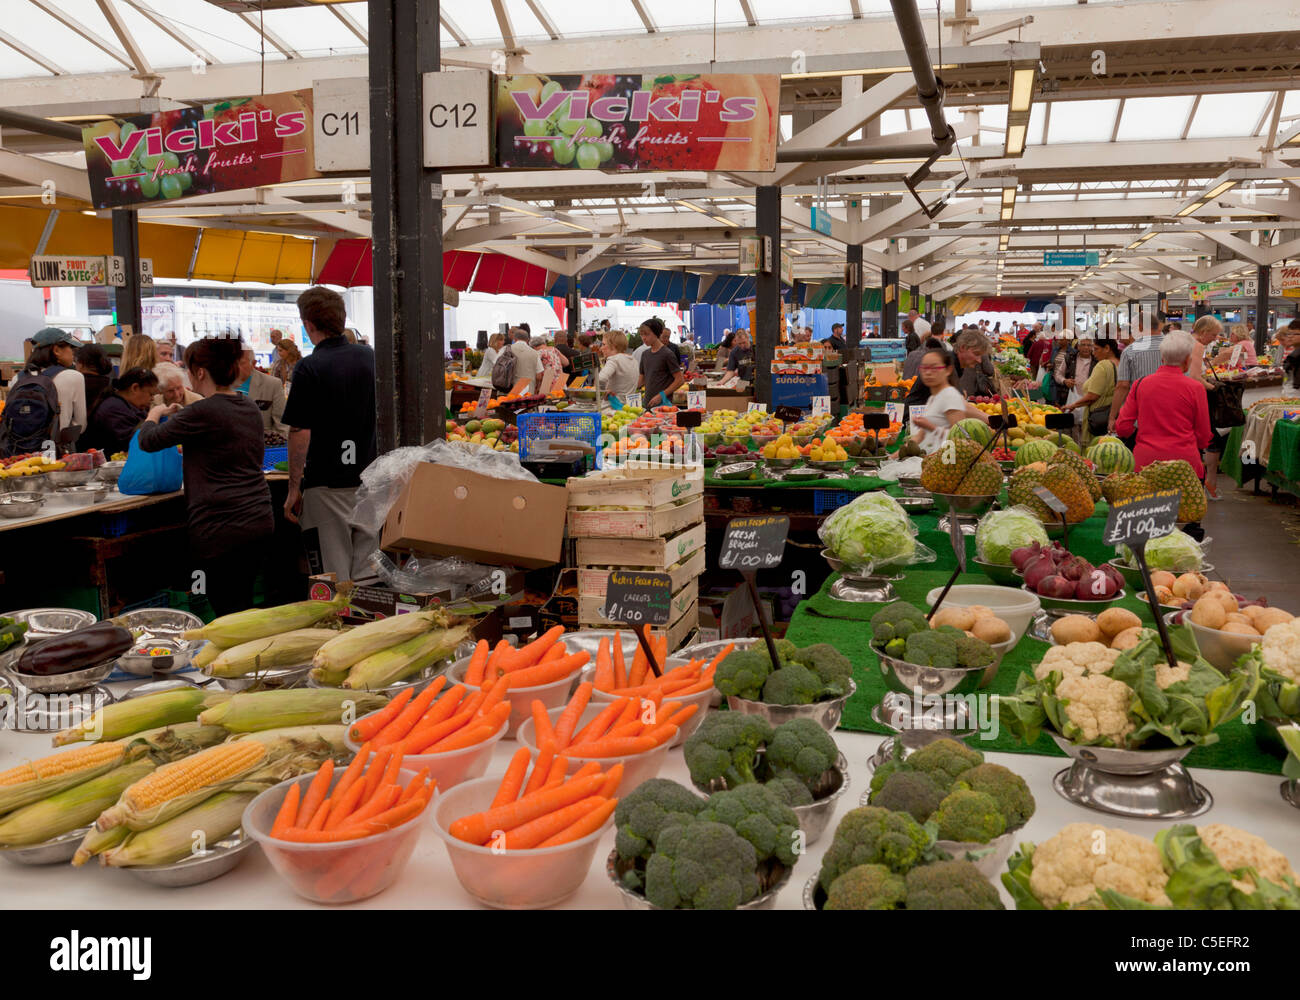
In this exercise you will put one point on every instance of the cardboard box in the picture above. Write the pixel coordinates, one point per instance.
(372, 600)
(647, 553)
(453, 512)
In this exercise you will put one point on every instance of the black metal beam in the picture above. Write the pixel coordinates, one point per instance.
(126, 244)
(407, 225)
(767, 290)
(888, 303)
(1262, 276)
(853, 300)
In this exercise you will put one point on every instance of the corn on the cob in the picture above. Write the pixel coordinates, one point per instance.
(154, 711)
(327, 740)
(174, 742)
(175, 787)
(258, 623)
(346, 648)
(41, 778)
(175, 839)
(251, 711)
(71, 808)
(286, 649)
(97, 842)
(406, 658)
(328, 678)
(208, 652)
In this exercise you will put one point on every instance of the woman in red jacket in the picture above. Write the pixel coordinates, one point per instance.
(1170, 409)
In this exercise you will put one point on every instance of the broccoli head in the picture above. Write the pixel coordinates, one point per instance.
(801, 749)
(897, 648)
(969, 816)
(726, 746)
(793, 684)
(943, 760)
(758, 814)
(896, 621)
(743, 672)
(972, 652)
(910, 792)
(828, 663)
(883, 772)
(643, 812)
(931, 649)
(701, 866)
(867, 887)
(793, 792)
(950, 885)
(1009, 791)
(785, 649)
(870, 835)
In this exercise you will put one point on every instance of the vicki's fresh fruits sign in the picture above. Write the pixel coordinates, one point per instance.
(633, 122)
(219, 147)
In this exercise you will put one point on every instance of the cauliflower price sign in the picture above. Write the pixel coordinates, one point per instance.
(1138, 520)
(754, 543)
(638, 598)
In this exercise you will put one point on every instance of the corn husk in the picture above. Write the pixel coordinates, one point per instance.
(48, 783)
(325, 741)
(97, 842)
(286, 649)
(354, 645)
(328, 678)
(208, 652)
(134, 715)
(178, 838)
(71, 808)
(174, 742)
(259, 623)
(405, 659)
(251, 711)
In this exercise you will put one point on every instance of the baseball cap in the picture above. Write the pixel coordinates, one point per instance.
(53, 335)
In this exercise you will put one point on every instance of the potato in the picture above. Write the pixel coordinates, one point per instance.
(1238, 628)
(1127, 639)
(1075, 628)
(1218, 585)
(1190, 586)
(1165, 596)
(956, 617)
(1209, 612)
(1250, 611)
(1225, 599)
(1113, 621)
(992, 630)
(1268, 617)
(1239, 619)
(980, 611)
(1163, 578)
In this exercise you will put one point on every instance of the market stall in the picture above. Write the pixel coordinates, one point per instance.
(1266, 447)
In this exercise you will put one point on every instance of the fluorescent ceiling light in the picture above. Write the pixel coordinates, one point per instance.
(879, 71)
(1008, 196)
(1016, 139)
(1007, 212)
(1022, 89)
(1220, 189)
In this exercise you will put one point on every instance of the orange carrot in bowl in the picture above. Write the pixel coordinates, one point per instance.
(354, 770)
(478, 827)
(344, 806)
(541, 768)
(513, 781)
(584, 825)
(397, 730)
(620, 669)
(568, 719)
(552, 670)
(604, 679)
(559, 767)
(288, 811)
(322, 814)
(613, 746)
(554, 653)
(612, 778)
(494, 694)
(315, 794)
(597, 726)
(530, 834)
(366, 727)
(542, 728)
(375, 771)
(681, 715)
(494, 669)
(415, 785)
(478, 663)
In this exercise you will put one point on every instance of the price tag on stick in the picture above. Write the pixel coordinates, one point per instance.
(480, 411)
(1136, 521)
(640, 599)
(1057, 507)
(754, 543)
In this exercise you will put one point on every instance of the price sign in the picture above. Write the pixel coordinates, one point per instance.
(1059, 421)
(821, 405)
(1235, 357)
(958, 541)
(788, 414)
(915, 411)
(631, 399)
(875, 422)
(458, 119)
(1137, 520)
(894, 411)
(638, 598)
(1053, 502)
(341, 124)
(754, 543)
(481, 410)
(757, 408)
(696, 400)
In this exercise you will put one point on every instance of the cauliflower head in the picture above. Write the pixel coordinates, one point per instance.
(1077, 659)
(1072, 866)
(1281, 648)
(1237, 849)
(1167, 675)
(1098, 705)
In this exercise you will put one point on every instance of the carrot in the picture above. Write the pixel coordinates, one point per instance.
(321, 815)
(612, 778)
(531, 654)
(554, 653)
(354, 770)
(324, 836)
(666, 709)
(661, 654)
(568, 719)
(620, 671)
(661, 733)
(344, 805)
(661, 686)
(559, 767)
(397, 730)
(478, 827)
(315, 794)
(681, 715)
(584, 826)
(472, 733)
(636, 676)
(541, 768)
(288, 811)
(494, 694)
(591, 767)
(391, 771)
(597, 726)
(425, 737)
(375, 772)
(478, 663)
(542, 728)
(416, 784)
(703, 684)
(385, 797)
(513, 781)
(726, 651)
(614, 746)
(366, 727)
(397, 815)
(499, 652)
(545, 673)
(629, 714)
(532, 833)
(604, 667)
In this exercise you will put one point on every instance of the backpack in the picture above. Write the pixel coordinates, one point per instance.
(503, 370)
(31, 415)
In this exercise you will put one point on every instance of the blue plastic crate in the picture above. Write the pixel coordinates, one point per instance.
(274, 455)
(114, 525)
(825, 501)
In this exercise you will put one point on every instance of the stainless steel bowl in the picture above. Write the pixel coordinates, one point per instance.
(55, 851)
(1140, 784)
(908, 678)
(15, 505)
(782, 463)
(771, 881)
(265, 680)
(45, 622)
(28, 484)
(707, 651)
(200, 867)
(1003, 576)
(83, 496)
(1291, 793)
(162, 627)
(816, 816)
(70, 477)
(916, 504)
(1222, 649)
(988, 858)
(955, 503)
(73, 680)
(109, 472)
(813, 897)
(825, 713)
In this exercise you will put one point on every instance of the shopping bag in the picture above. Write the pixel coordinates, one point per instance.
(150, 472)
(1071, 398)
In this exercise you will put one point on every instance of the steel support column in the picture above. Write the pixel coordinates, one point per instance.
(853, 301)
(1262, 277)
(889, 304)
(914, 293)
(407, 225)
(767, 290)
(126, 244)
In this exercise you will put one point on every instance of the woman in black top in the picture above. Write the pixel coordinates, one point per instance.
(97, 371)
(229, 505)
(120, 412)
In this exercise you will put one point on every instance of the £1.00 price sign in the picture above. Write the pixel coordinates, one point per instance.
(754, 543)
(635, 597)
(1137, 520)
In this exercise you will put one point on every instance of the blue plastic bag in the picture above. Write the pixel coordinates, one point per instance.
(150, 472)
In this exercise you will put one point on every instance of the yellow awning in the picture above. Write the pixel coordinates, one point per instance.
(232, 255)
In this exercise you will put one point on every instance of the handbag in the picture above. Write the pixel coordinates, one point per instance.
(1225, 402)
(147, 472)
(1098, 421)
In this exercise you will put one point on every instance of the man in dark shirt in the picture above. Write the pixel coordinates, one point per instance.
(661, 372)
(562, 345)
(332, 436)
(836, 342)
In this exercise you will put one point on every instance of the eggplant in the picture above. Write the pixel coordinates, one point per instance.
(75, 650)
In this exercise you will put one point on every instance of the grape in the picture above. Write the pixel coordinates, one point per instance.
(187, 181)
(592, 128)
(125, 131)
(170, 160)
(606, 150)
(551, 87)
(535, 127)
(170, 185)
(564, 151)
(121, 167)
(588, 156)
(149, 187)
(570, 125)
(150, 162)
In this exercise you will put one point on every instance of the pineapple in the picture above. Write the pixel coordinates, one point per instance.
(1070, 490)
(1122, 485)
(946, 470)
(1021, 492)
(1178, 475)
(1075, 461)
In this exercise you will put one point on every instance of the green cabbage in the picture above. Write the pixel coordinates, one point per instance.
(1177, 552)
(873, 530)
(1001, 532)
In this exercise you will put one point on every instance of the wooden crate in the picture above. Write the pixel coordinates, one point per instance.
(645, 488)
(590, 605)
(678, 631)
(592, 580)
(640, 553)
(646, 522)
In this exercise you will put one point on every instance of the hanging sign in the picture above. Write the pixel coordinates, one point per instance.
(55, 272)
(341, 123)
(458, 119)
(636, 597)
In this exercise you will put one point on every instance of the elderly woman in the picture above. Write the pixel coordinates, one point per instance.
(975, 373)
(553, 363)
(619, 374)
(1169, 410)
(173, 386)
(1205, 331)
(1240, 335)
(1098, 389)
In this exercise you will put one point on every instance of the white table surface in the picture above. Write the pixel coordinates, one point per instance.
(1243, 799)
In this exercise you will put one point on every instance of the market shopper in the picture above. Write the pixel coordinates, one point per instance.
(173, 387)
(836, 341)
(661, 373)
(1140, 359)
(1097, 390)
(741, 353)
(166, 348)
(490, 354)
(266, 392)
(553, 364)
(912, 361)
(1039, 354)
(528, 365)
(1071, 368)
(1289, 338)
(976, 375)
(97, 373)
(619, 374)
(1169, 411)
(139, 351)
(229, 516)
(120, 412)
(1205, 331)
(331, 415)
(55, 356)
(284, 356)
(1246, 357)
(563, 347)
(946, 405)
(724, 350)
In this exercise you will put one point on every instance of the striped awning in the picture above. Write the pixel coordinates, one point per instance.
(349, 264)
(632, 284)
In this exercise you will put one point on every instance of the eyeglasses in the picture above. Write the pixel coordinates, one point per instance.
(934, 368)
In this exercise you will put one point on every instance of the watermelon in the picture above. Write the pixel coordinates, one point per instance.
(976, 430)
(1037, 450)
(1109, 455)
(1066, 442)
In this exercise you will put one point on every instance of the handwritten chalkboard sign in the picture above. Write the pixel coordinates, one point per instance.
(1054, 503)
(1059, 421)
(638, 598)
(753, 543)
(875, 421)
(1137, 520)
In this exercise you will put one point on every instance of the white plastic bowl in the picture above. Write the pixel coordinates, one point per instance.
(510, 880)
(1011, 604)
(700, 698)
(450, 767)
(637, 767)
(521, 700)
